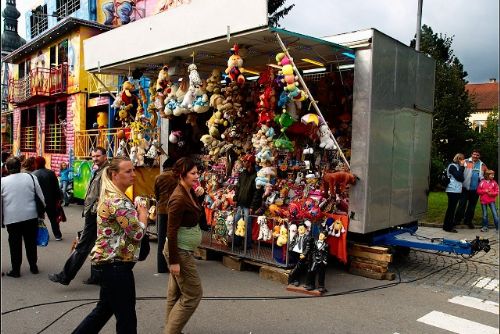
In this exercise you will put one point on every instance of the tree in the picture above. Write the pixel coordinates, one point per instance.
(451, 131)
(276, 10)
(487, 141)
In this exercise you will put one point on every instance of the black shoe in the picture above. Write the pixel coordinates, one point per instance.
(308, 287)
(14, 274)
(56, 278)
(91, 281)
(471, 226)
(34, 269)
(66, 204)
(322, 289)
(296, 283)
(451, 231)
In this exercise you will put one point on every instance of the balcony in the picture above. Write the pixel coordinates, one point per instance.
(87, 140)
(40, 84)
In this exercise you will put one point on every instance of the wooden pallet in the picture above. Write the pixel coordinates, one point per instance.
(370, 261)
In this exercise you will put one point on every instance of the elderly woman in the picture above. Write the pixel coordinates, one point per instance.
(120, 228)
(183, 237)
(455, 172)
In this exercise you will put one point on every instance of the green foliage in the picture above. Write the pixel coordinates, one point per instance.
(487, 141)
(437, 204)
(276, 10)
(451, 132)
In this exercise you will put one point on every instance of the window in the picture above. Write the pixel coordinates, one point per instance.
(38, 20)
(28, 130)
(66, 7)
(52, 55)
(55, 138)
(22, 70)
(62, 52)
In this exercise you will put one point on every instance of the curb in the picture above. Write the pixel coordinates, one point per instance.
(461, 226)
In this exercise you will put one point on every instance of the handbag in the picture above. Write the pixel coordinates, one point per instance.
(42, 237)
(40, 207)
(145, 248)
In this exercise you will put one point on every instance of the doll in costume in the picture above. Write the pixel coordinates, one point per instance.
(300, 247)
(319, 260)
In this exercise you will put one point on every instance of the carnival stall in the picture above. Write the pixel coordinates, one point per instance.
(281, 99)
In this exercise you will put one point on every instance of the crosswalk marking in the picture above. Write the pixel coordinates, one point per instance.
(455, 324)
(483, 305)
(487, 283)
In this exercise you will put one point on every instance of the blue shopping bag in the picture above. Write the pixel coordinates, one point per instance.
(42, 237)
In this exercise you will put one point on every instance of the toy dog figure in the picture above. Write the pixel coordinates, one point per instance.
(337, 182)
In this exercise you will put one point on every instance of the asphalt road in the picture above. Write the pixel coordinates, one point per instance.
(423, 306)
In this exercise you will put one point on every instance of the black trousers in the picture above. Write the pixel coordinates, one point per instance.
(449, 217)
(82, 249)
(466, 206)
(300, 268)
(319, 269)
(117, 297)
(52, 215)
(26, 230)
(162, 222)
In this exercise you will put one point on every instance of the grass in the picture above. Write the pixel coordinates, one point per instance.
(437, 204)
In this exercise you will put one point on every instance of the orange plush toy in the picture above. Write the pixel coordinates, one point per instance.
(337, 182)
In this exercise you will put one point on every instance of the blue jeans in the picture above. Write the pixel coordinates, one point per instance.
(64, 188)
(245, 212)
(493, 212)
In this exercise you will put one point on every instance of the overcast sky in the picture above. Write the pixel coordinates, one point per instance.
(473, 23)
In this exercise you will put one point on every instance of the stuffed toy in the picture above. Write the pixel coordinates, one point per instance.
(283, 236)
(214, 80)
(292, 231)
(234, 68)
(285, 120)
(170, 102)
(102, 120)
(337, 182)
(264, 231)
(153, 121)
(283, 143)
(240, 228)
(229, 224)
(220, 230)
(264, 176)
(194, 76)
(122, 149)
(133, 155)
(162, 82)
(124, 114)
(126, 95)
(325, 138)
(175, 137)
(141, 151)
(216, 99)
(318, 262)
(336, 228)
(276, 231)
(154, 149)
(200, 103)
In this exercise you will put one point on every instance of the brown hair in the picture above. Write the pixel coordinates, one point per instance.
(488, 172)
(13, 165)
(64, 162)
(39, 162)
(29, 164)
(114, 165)
(183, 166)
(99, 148)
(458, 157)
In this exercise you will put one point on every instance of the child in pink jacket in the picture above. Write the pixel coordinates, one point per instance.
(488, 192)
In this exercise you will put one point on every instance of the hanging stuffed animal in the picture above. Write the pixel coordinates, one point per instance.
(234, 68)
(229, 224)
(162, 82)
(337, 182)
(122, 149)
(325, 138)
(336, 228)
(240, 228)
(283, 236)
(264, 231)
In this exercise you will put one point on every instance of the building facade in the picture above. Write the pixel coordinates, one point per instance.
(485, 97)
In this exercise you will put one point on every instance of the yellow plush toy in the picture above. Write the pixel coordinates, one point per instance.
(283, 236)
(240, 229)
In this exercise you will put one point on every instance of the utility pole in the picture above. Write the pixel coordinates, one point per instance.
(419, 25)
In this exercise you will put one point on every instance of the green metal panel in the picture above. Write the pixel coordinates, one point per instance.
(82, 175)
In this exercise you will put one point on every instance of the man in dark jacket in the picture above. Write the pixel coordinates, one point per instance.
(51, 192)
(245, 198)
(89, 234)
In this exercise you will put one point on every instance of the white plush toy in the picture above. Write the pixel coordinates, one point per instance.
(293, 231)
(171, 101)
(265, 233)
(229, 224)
(326, 141)
(122, 149)
(133, 155)
(194, 76)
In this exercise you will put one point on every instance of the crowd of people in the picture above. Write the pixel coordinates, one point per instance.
(469, 181)
(114, 226)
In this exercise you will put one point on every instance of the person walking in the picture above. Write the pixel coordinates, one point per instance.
(455, 172)
(183, 237)
(18, 191)
(89, 233)
(473, 174)
(120, 229)
(488, 192)
(64, 179)
(165, 184)
(48, 182)
(28, 165)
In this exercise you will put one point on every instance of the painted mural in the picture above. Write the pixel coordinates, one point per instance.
(119, 12)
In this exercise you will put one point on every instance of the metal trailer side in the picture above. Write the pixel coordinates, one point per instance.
(391, 131)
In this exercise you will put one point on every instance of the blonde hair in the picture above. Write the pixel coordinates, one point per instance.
(488, 172)
(458, 157)
(108, 188)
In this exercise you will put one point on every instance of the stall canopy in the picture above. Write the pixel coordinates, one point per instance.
(258, 47)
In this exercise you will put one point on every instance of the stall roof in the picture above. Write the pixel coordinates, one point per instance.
(260, 46)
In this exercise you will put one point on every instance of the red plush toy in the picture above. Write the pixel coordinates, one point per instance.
(337, 182)
(234, 68)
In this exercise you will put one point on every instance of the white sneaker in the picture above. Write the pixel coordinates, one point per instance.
(484, 229)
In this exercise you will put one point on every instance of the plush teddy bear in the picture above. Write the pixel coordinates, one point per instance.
(240, 228)
(200, 103)
(283, 236)
(216, 99)
(325, 138)
(234, 68)
(214, 80)
(264, 176)
(162, 81)
(170, 102)
(264, 231)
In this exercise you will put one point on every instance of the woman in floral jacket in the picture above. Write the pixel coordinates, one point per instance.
(120, 228)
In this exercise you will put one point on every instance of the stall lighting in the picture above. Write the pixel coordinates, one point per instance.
(252, 78)
(346, 67)
(314, 62)
(275, 66)
(350, 55)
(252, 72)
(314, 70)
